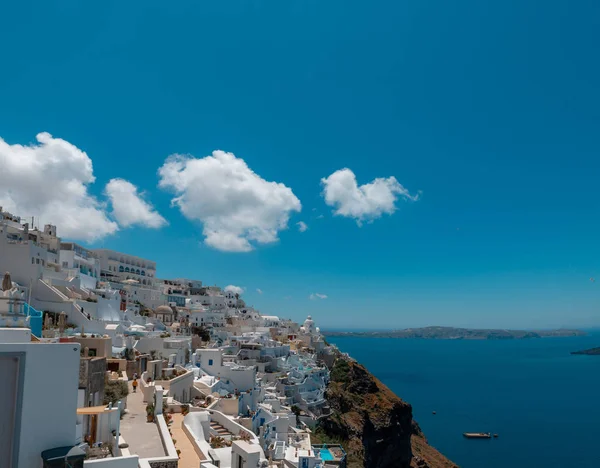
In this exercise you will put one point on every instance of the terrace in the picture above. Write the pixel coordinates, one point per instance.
(331, 454)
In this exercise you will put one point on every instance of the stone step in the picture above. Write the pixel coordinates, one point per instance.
(219, 429)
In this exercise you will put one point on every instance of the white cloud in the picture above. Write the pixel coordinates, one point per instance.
(129, 207)
(259, 291)
(49, 180)
(237, 207)
(301, 226)
(314, 296)
(365, 202)
(235, 289)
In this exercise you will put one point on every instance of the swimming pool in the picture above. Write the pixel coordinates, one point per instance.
(325, 454)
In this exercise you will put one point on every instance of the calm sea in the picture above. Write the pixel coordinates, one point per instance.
(543, 402)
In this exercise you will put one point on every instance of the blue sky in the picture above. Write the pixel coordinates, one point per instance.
(489, 111)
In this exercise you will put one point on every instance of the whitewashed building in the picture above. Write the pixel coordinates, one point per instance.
(39, 388)
(120, 267)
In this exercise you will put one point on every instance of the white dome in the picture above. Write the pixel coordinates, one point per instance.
(309, 325)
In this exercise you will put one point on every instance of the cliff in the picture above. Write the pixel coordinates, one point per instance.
(373, 424)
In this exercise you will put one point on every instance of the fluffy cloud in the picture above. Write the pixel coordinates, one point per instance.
(314, 296)
(234, 289)
(49, 180)
(301, 226)
(237, 207)
(128, 206)
(259, 291)
(365, 202)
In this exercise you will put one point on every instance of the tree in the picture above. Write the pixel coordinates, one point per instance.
(202, 332)
(296, 410)
(114, 391)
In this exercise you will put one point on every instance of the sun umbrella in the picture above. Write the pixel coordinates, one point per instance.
(62, 322)
(6, 282)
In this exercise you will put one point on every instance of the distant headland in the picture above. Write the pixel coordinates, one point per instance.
(589, 352)
(452, 333)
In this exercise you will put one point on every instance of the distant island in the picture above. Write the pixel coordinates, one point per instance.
(451, 333)
(589, 352)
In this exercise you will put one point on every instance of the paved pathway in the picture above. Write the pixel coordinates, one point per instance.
(188, 458)
(143, 437)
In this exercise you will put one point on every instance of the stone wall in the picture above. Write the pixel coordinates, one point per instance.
(163, 464)
(92, 372)
(133, 367)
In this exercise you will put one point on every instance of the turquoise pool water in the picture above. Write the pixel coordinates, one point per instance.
(326, 455)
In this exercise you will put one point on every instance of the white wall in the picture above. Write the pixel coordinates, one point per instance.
(197, 427)
(15, 335)
(16, 258)
(249, 453)
(49, 395)
(119, 462)
(228, 406)
(234, 376)
(88, 282)
(149, 343)
(180, 387)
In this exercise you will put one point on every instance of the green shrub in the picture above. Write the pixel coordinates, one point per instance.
(341, 371)
(115, 391)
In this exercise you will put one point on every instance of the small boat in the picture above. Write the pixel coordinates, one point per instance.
(477, 435)
(495, 436)
(433, 412)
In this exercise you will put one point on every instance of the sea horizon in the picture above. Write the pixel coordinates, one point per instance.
(387, 329)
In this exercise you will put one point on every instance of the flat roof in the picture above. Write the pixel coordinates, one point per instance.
(91, 410)
(247, 447)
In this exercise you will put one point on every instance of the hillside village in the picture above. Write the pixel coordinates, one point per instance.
(108, 365)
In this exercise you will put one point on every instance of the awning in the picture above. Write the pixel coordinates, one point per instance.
(91, 410)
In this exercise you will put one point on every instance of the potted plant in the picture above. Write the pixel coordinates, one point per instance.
(150, 412)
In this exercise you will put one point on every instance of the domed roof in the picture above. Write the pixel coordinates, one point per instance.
(163, 309)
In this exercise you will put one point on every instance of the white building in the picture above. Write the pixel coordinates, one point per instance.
(148, 296)
(26, 253)
(271, 321)
(235, 376)
(119, 266)
(39, 388)
(80, 261)
(206, 317)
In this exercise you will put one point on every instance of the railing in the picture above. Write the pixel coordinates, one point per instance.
(35, 320)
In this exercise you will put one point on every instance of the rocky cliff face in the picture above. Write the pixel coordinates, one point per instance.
(373, 424)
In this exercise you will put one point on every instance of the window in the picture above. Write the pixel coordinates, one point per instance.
(32, 261)
(210, 362)
(37, 260)
(65, 264)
